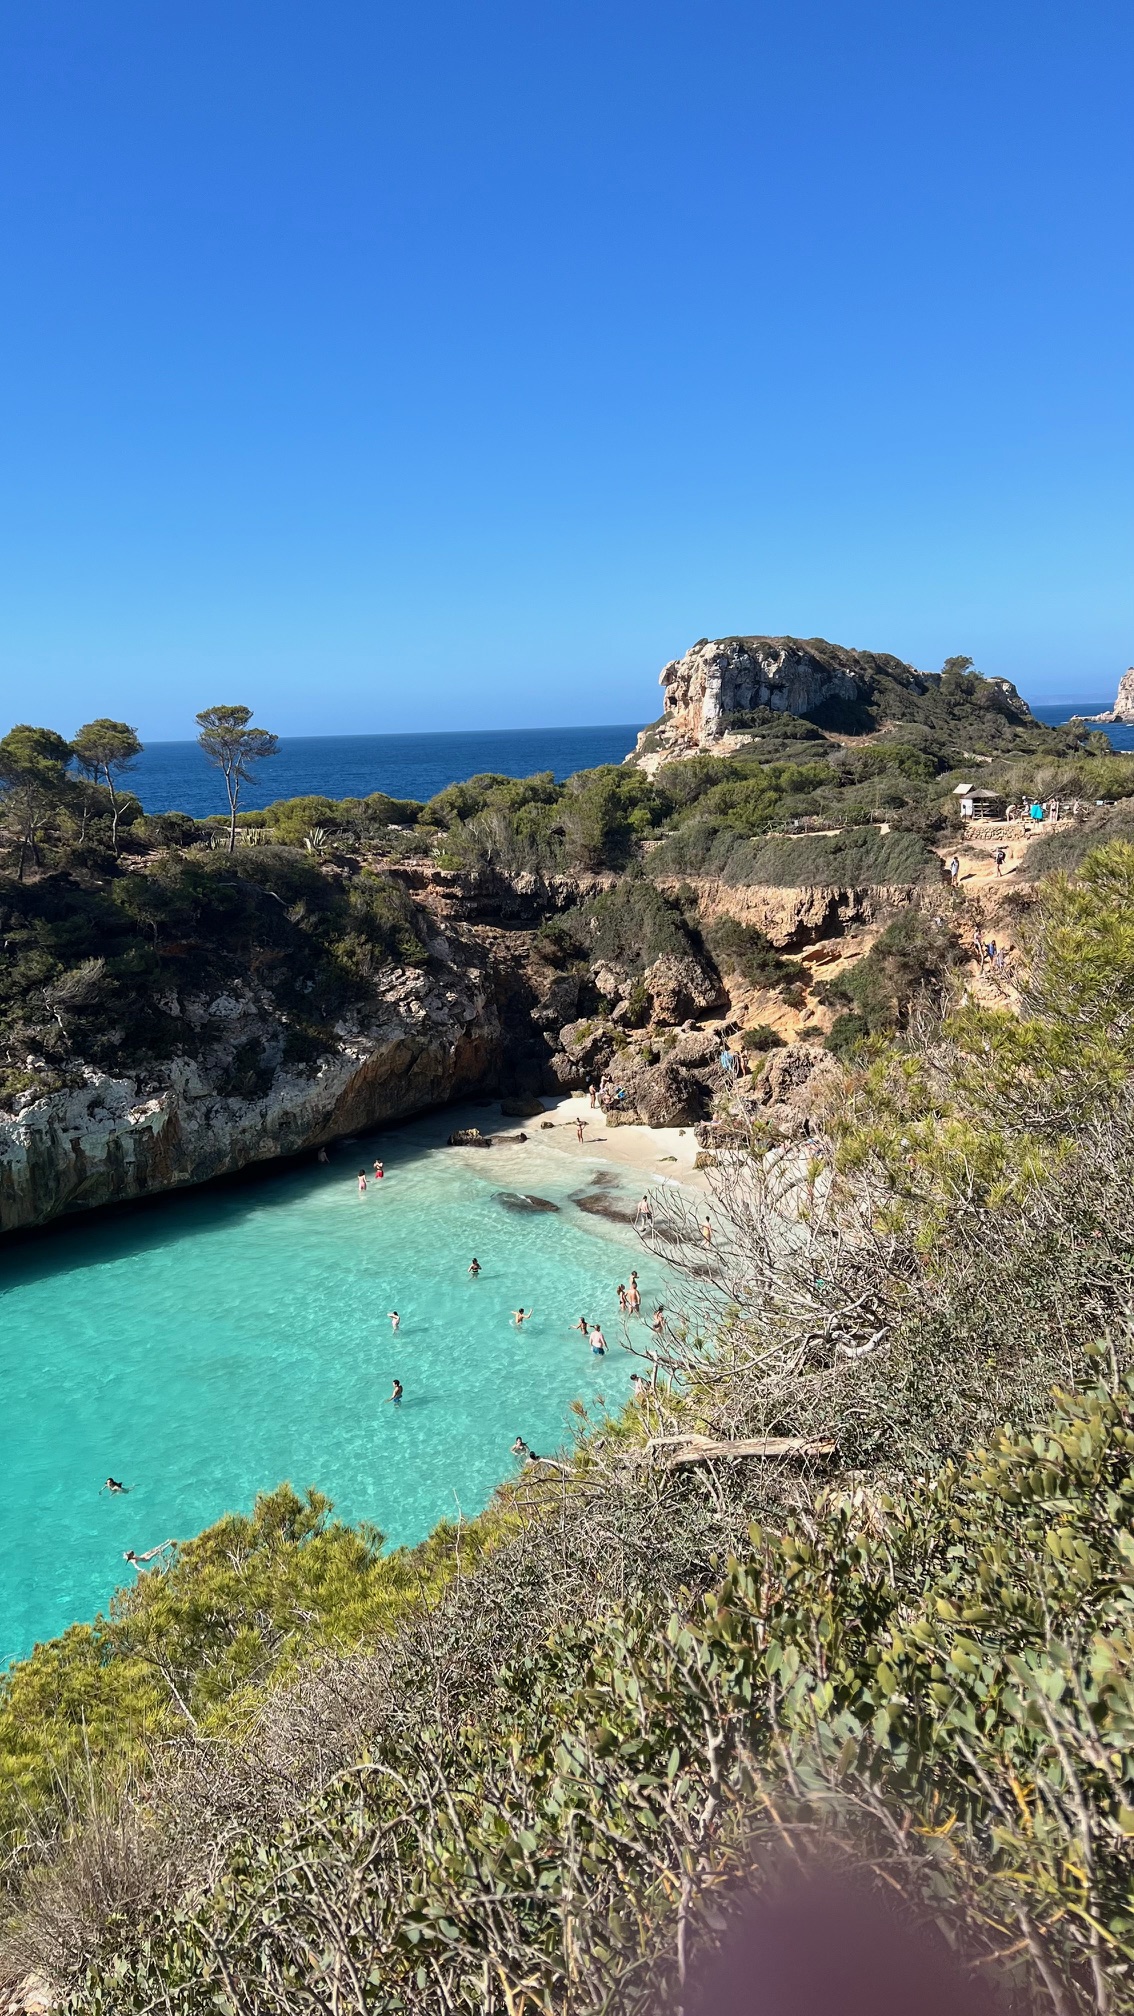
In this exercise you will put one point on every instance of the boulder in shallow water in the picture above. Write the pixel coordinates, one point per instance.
(600, 1204)
(515, 1200)
(469, 1137)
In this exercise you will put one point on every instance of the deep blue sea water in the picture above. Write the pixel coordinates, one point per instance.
(1121, 734)
(175, 777)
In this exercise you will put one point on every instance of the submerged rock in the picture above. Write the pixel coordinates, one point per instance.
(600, 1204)
(515, 1200)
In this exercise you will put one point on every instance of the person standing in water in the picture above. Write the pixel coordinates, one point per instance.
(644, 1215)
(395, 1319)
(598, 1342)
(362, 1182)
(474, 1268)
(621, 1294)
(379, 1171)
(633, 1297)
(582, 1325)
(395, 1396)
(521, 1316)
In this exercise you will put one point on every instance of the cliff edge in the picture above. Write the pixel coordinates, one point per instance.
(724, 689)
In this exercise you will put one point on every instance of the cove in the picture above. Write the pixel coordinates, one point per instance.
(233, 1338)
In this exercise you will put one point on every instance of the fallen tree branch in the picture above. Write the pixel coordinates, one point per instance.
(673, 1450)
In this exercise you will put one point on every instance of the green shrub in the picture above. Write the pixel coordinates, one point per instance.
(762, 1037)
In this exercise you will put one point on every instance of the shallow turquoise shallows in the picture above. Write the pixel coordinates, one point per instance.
(211, 1347)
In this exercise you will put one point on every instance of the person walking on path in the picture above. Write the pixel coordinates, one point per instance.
(1000, 857)
(953, 869)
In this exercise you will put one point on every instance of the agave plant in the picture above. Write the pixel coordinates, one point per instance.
(315, 840)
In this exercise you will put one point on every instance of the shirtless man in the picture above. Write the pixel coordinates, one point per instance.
(396, 1395)
(521, 1316)
(598, 1342)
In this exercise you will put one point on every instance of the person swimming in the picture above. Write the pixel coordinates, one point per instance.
(474, 1268)
(395, 1319)
(521, 1315)
(520, 1448)
(112, 1484)
(598, 1342)
(582, 1325)
(136, 1560)
(395, 1395)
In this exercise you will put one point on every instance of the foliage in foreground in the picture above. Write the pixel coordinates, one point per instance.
(945, 1681)
(194, 1644)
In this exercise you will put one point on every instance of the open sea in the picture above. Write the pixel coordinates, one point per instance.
(175, 776)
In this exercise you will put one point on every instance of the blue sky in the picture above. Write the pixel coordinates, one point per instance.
(392, 368)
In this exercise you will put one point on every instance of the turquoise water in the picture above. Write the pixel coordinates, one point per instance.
(211, 1347)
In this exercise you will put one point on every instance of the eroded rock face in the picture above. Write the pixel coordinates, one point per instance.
(738, 674)
(1123, 709)
(662, 1095)
(430, 1036)
(681, 988)
(793, 1086)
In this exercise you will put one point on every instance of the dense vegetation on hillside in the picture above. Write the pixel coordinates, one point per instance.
(537, 1761)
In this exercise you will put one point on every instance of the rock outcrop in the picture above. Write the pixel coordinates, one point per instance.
(792, 1088)
(1123, 709)
(714, 690)
(430, 1036)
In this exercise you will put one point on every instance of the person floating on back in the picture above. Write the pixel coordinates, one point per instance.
(136, 1560)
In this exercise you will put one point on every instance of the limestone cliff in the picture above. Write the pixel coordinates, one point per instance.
(1123, 709)
(430, 1035)
(712, 692)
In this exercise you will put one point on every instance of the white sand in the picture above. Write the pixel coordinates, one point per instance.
(655, 1151)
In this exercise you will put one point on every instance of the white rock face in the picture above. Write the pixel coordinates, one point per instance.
(737, 674)
(1123, 709)
(428, 1038)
